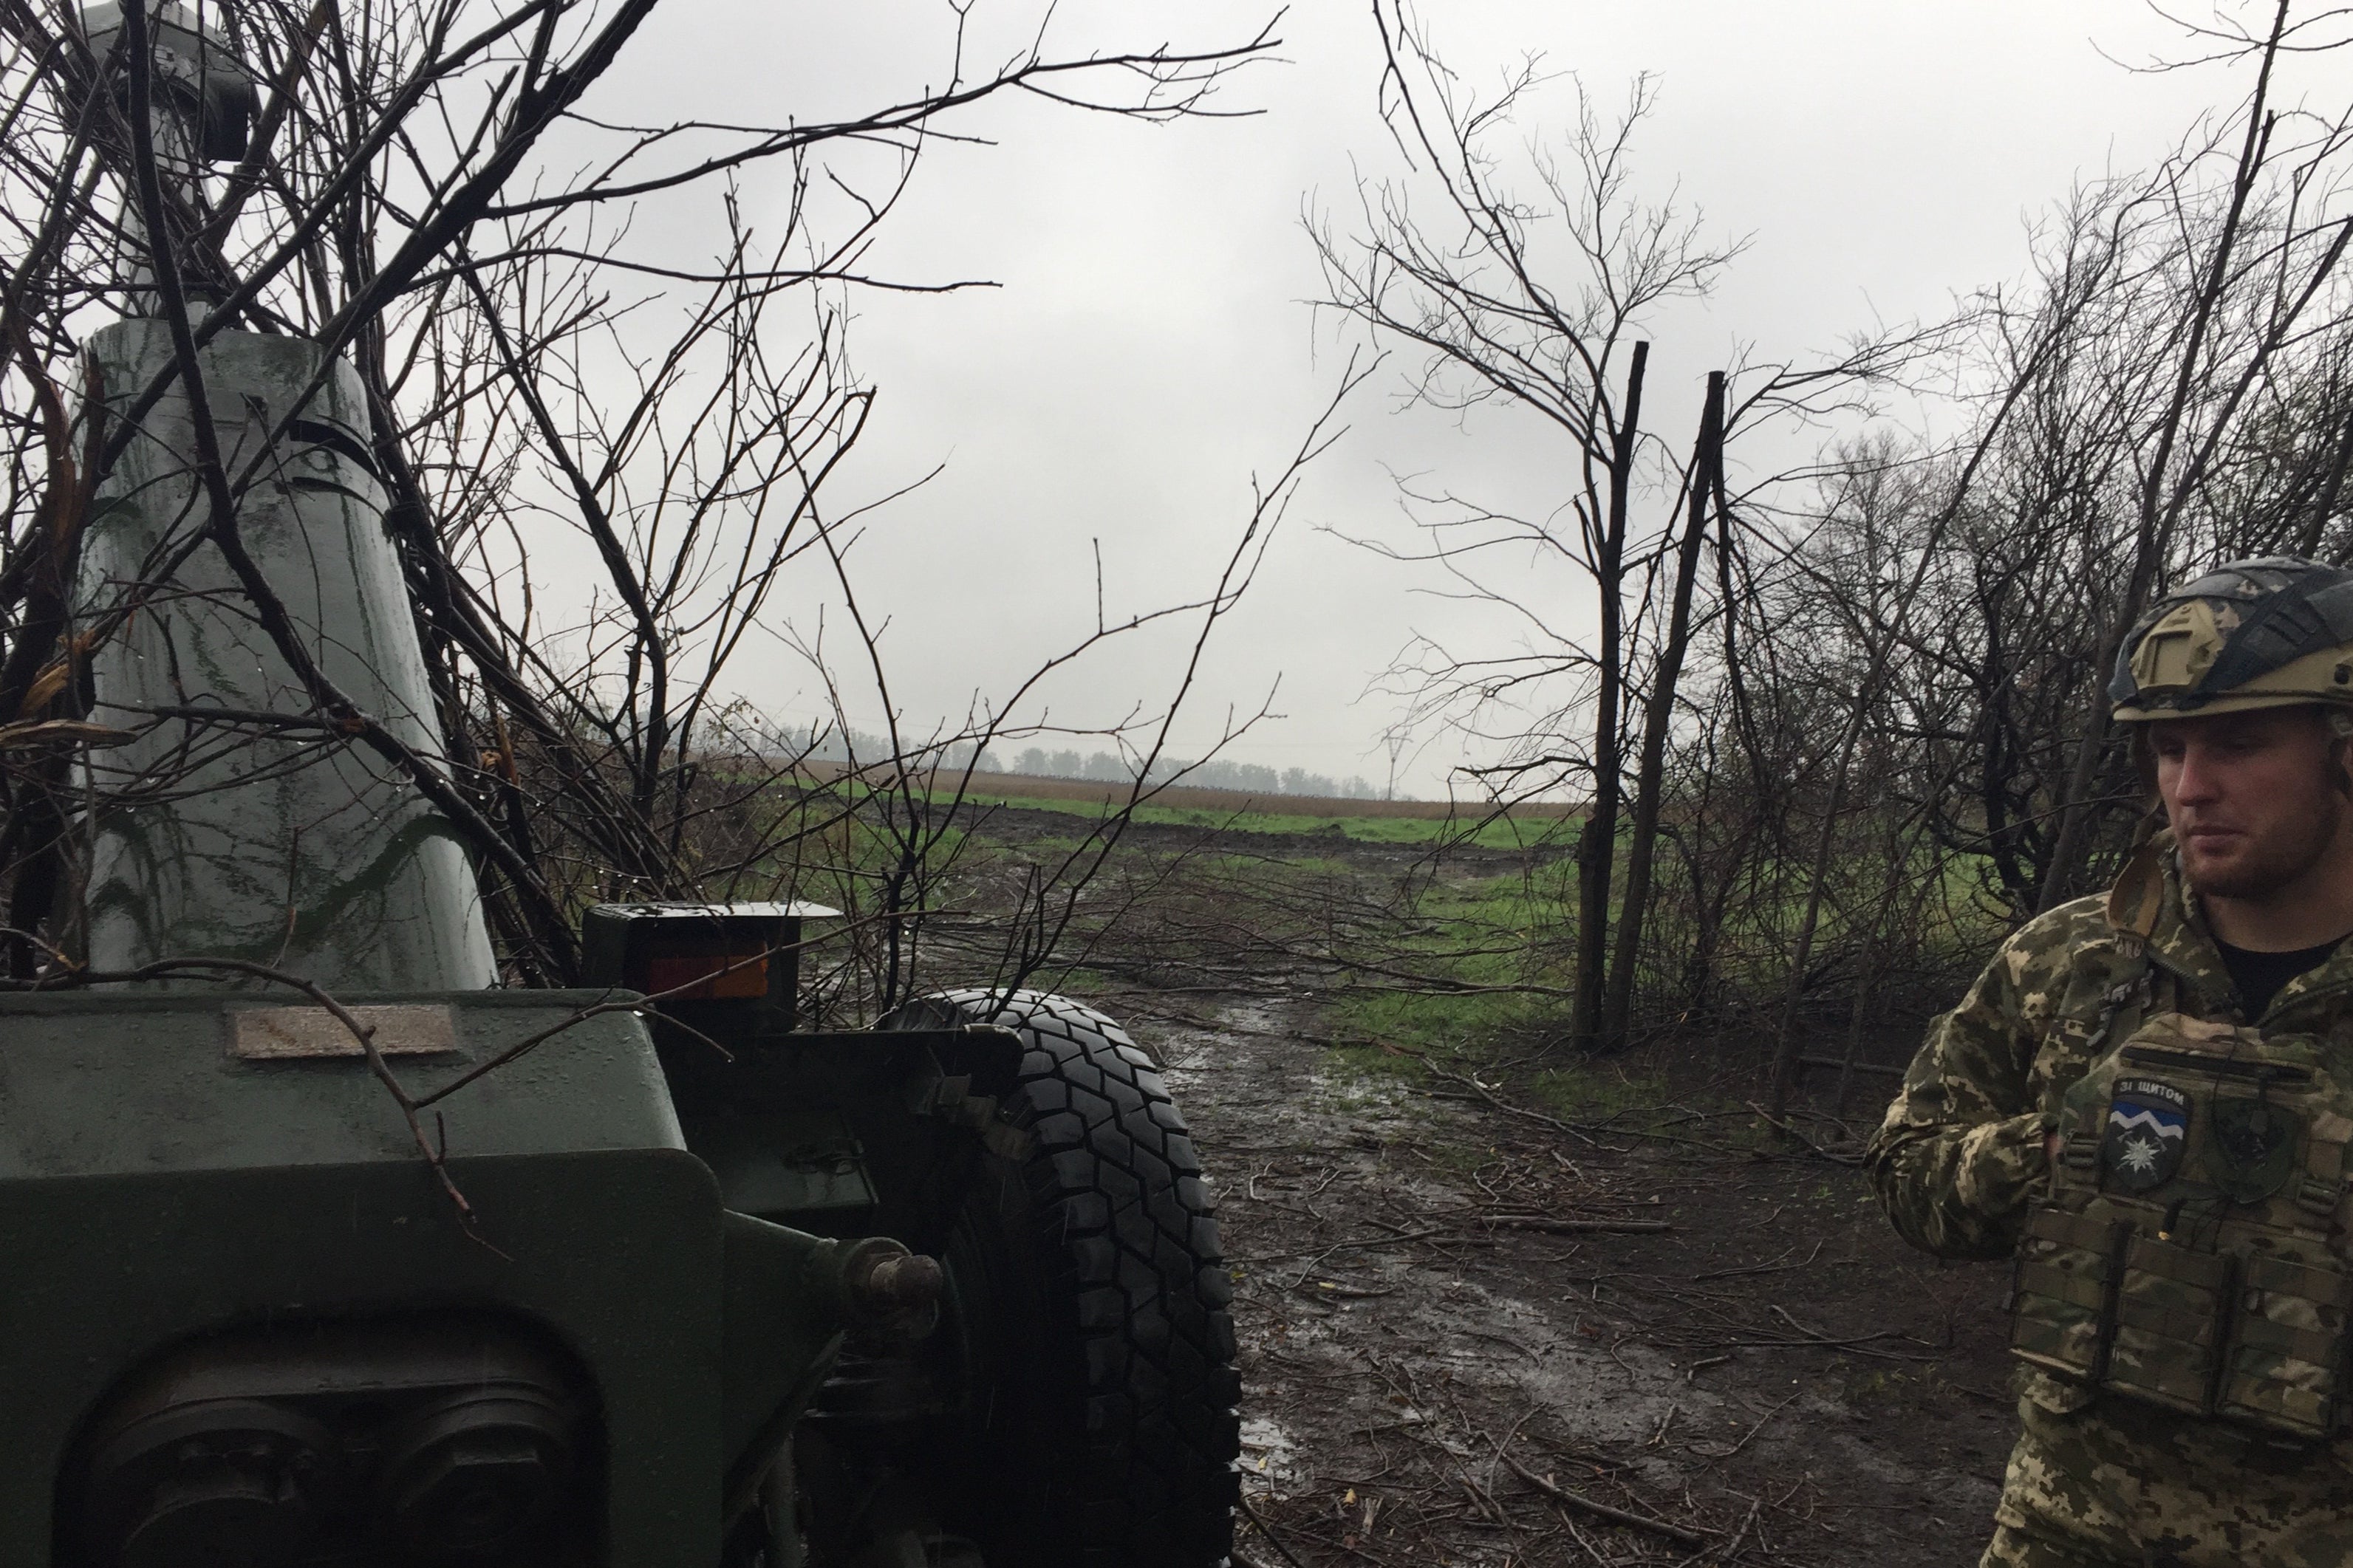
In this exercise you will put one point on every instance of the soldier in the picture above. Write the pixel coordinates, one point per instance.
(2147, 1100)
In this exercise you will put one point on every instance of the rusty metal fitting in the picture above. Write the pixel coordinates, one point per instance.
(905, 1283)
(889, 1295)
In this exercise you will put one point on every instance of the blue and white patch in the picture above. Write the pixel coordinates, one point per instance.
(2148, 1129)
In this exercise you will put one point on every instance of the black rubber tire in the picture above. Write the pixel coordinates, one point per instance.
(1090, 1285)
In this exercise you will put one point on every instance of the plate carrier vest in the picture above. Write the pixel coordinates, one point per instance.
(2189, 1253)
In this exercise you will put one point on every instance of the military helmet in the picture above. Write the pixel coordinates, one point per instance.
(2273, 632)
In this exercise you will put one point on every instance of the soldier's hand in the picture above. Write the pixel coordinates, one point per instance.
(2050, 1141)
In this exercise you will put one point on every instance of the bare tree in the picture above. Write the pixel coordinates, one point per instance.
(2165, 392)
(428, 191)
(1542, 303)
(2220, 283)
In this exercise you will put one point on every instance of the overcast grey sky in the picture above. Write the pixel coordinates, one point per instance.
(1149, 345)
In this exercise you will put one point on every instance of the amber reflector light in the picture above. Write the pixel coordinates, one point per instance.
(708, 976)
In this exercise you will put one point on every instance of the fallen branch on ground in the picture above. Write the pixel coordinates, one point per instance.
(1266, 1529)
(1573, 1227)
(1584, 1504)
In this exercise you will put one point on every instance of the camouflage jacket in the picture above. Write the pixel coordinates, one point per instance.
(1960, 1153)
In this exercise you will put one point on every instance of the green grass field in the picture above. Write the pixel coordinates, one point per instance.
(1504, 833)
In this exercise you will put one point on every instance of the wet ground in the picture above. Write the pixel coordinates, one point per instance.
(1472, 1336)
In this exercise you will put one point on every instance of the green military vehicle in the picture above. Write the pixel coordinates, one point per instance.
(945, 1292)
(324, 1249)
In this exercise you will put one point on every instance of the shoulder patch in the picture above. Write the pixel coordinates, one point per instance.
(2148, 1129)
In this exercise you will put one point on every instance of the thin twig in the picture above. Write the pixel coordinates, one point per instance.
(1562, 1495)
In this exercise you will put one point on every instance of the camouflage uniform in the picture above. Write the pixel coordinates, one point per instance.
(2097, 1478)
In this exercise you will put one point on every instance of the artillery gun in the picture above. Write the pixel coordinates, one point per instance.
(399, 1268)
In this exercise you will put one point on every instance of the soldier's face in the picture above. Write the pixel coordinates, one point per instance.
(2254, 799)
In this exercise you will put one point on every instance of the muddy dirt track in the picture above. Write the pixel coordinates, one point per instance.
(1472, 1333)
(1469, 1337)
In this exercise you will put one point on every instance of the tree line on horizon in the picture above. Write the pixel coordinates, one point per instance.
(846, 746)
(1217, 772)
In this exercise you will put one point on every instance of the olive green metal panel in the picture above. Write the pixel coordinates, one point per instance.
(104, 1272)
(288, 847)
(782, 1328)
(94, 1084)
(154, 1186)
(786, 1165)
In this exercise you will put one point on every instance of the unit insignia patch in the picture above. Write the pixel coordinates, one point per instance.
(2148, 1125)
(2253, 1148)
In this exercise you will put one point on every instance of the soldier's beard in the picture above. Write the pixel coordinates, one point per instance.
(2297, 842)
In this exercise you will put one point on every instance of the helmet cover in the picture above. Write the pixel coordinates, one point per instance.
(2273, 632)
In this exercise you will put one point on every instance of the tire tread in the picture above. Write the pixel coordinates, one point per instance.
(1116, 1190)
